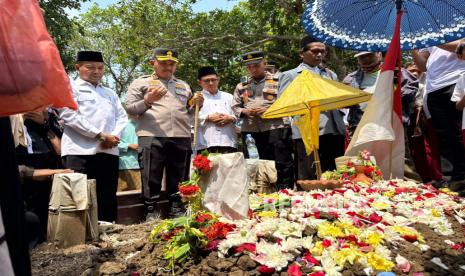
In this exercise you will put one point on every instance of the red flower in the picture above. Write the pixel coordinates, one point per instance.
(429, 195)
(326, 243)
(187, 191)
(202, 163)
(284, 191)
(369, 170)
(410, 238)
(294, 270)
(171, 234)
(318, 273)
(250, 247)
(217, 230)
(250, 214)
(203, 218)
(309, 258)
(212, 245)
(317, 196)
(375, 218)
(263, 269)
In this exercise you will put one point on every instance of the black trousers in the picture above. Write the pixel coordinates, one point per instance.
(447, 121)
(157, 155)
(221, 150)
(331, 147)
(36, 194)
(275, 145)
(11, 203)
(103, 168)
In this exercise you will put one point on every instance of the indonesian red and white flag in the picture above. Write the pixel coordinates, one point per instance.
(380, 130)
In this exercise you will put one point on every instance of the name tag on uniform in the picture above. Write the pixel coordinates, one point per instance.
(180, 86)
(85, 91)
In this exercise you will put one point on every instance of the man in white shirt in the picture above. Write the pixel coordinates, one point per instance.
(443, 70)
(216, 118)
(91, 134)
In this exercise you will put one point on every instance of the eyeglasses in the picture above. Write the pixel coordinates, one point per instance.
(210, 80)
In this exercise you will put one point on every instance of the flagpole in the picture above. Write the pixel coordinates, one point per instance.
(399, 79)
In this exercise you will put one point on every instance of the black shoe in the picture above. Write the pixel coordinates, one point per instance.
(163, 208)
(177, 210)
(457, 185)
(439, 184)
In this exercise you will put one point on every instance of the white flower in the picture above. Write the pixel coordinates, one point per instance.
(272, 255)
(307, 242)
(291, 245)
(383, 251)
(329, 266)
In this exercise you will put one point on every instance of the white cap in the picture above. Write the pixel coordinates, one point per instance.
(362, 53)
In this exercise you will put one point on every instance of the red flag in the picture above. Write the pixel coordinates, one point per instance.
(380, 130)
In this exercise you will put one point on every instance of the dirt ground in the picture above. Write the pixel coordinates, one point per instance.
(124, 250)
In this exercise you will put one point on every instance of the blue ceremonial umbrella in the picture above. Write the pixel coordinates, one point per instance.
(368, 25)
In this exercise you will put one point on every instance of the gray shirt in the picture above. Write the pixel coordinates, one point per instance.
(331, 122)
(169, 117)
(254, 95)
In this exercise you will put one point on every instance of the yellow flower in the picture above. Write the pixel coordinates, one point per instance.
(268, 214)
(348, 229)
(317, 250)
(374, 239)
(326, 229)
(435, 213)
(389, 194)
(346, 255)
(380, 205)
(404, 230)
(449, 192)
(379, 263)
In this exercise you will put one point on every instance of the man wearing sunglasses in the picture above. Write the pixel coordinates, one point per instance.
(331, 130)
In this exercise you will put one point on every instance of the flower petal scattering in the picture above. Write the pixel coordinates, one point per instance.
(323, 232)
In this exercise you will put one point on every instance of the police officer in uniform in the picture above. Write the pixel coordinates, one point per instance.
(91, 134)
(252, 97)
(165, 106)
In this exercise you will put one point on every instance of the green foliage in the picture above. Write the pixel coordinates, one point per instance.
(61, 27)
(127, 31)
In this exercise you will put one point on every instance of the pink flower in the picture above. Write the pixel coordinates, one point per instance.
(294, 270)
(403, 263)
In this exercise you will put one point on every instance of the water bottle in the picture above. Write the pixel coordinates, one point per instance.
(251, 147)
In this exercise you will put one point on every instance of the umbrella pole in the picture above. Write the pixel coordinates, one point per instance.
(316, 156)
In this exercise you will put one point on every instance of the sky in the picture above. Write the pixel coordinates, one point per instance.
(200, 6)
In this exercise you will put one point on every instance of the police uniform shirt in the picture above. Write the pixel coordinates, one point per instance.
(255, 98)
(168, 117)
(99, 110)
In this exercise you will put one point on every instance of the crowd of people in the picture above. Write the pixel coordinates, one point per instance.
(145, 143)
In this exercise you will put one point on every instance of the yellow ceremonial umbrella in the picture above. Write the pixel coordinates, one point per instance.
(308, 95)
